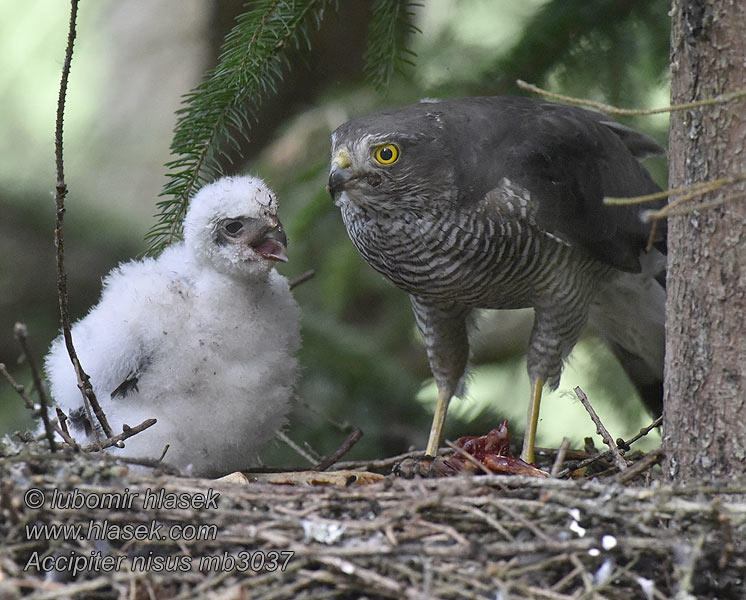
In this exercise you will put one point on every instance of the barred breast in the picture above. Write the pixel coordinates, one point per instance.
(503, 261)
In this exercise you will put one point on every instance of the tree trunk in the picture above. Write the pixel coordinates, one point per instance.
(705, 400)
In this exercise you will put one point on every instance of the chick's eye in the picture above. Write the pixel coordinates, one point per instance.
(233, 227)
(386, 154)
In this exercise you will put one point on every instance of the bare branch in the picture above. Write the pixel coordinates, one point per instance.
(559, 460)
(645, 430)
(127, 432)
(641, 466)
(20, 389)
(295, 447)
(61, 192)
(343, 449)
(689, 192)
(302, 278)
(61, 429)
(20, 331)
(608, 440)
(614, 110)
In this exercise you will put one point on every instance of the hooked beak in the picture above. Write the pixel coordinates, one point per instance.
(339, 174)
(271, 244)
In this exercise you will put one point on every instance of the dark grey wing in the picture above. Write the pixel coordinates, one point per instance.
(569, 168)
(569, 159)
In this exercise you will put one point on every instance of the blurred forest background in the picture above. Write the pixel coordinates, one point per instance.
(362, 360)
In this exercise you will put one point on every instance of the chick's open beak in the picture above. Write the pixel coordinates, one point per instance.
(271, 244)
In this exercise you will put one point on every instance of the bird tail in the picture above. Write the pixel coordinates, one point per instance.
(630, 314)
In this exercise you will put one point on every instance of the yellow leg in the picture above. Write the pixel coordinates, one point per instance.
(439, 420)
(532, 420)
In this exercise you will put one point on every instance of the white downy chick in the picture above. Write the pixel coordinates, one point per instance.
(202, 338)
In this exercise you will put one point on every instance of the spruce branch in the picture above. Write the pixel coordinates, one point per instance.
(219, 112)
(390, 27)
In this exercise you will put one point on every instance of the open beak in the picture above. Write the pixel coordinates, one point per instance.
(272, 244)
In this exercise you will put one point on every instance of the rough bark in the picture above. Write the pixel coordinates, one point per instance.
(705, 401)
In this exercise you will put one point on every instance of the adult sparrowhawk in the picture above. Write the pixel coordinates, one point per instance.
(497, 202)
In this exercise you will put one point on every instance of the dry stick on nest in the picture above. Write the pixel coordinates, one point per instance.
(343, 449)
(641, 466)
(54, 426)
(65, 435)
(153, 463)
(729, 546)
(382, 463)
(608, 440)
(62, 418)
(89, 398)
(20, 331)
(588, 461)
(127, 432)
(560, 458)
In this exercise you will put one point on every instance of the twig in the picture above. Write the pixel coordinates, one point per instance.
(608, 440)
(726, 528)
(20, 332)
(683, 588)
(641, 466)
(61, 429)
(344, 427)
(526, 522)
(644, 431)
(379, 584)
(656, 215)
(343, 449)
(560, 458)
(127, 432)
(60, 193)
(20, 389)
(298, 450)
(382, 463)
(584, 575)
(62, 418)
(163, 454)
(613, 110)
(589, 461)
(152, 463)
(302, 278)
(54, 426)
(687, 193)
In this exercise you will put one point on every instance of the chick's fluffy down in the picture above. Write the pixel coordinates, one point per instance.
(208, 351)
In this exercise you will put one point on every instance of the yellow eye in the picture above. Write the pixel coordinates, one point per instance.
(386, 154)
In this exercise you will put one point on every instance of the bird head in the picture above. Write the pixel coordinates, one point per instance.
(392, 160)
(232, 225)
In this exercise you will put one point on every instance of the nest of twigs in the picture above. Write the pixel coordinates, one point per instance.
(468, 536)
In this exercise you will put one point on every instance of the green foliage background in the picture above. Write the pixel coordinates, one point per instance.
(362, 361)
